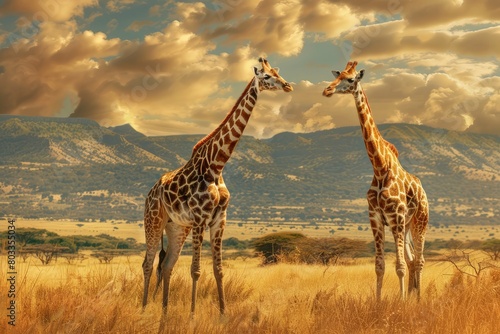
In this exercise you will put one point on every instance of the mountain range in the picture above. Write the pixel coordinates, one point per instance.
(75, 168)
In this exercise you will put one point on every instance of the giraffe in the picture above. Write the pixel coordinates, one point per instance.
(396, 198)
(194, 196)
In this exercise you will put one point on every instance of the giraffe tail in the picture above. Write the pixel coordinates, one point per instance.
(159, 276)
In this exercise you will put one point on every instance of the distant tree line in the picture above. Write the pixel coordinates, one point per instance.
(272, 248)
(49, 246)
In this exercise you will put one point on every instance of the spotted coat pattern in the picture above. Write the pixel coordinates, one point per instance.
(194, 197)
(396, 198)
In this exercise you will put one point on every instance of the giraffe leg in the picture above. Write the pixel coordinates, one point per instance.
(398, 231)
(176, 236)
(152, 238)
(195, 264)
(159, 274)
(379, 237)
(419, 227)
(410, 260)
(216, 232)
(147, 268)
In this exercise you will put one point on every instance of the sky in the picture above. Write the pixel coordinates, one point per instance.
(178, 67)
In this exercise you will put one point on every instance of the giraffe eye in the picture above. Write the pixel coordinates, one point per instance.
(267, 76)
(350, 80)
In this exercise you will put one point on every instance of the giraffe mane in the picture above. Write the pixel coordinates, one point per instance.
(212, 134)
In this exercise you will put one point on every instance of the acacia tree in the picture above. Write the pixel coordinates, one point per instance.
(328, 251)
(296, 247)
(25, 236)
(276, 246)
(492, 248)
(107, 255)
(72, 257)
(45, 252)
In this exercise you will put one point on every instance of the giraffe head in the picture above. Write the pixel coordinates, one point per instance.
(346, 81)
(269, 79)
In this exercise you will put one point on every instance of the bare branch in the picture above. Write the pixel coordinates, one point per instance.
(472, 263)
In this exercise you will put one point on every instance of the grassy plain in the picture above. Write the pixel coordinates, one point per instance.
(90, 297)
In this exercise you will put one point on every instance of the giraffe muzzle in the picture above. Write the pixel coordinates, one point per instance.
(328, 92)
(287, 87)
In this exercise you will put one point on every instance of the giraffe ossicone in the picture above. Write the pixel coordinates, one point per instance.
(396, 198)
(194, 196)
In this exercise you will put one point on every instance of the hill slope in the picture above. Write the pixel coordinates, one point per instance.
(73, 141)
(55, 167)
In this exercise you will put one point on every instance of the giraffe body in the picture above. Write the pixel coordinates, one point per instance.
(194, 197)
(396, 198)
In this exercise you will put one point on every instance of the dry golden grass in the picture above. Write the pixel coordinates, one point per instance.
(284, 298)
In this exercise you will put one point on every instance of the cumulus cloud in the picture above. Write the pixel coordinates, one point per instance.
(86, 45)
(240, 62)
(170, 48)
(462, 27)
(47, 10)
(34, 82)
(487, 119)
(436, 99)
(58, 62)
(443, 100)
(478, 43)
(427, 62)
(161, 85)
(329, 19)
(274, 27)
(466, 70)
(269, 26)
(153, 79)
(449, 12)
(395, 38)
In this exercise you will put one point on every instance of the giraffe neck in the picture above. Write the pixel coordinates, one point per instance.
(212, 152)
(379, 151)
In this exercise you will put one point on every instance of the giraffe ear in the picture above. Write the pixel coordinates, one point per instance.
(277, 69)
(360, 75)
(336, 73)
(255, 70)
